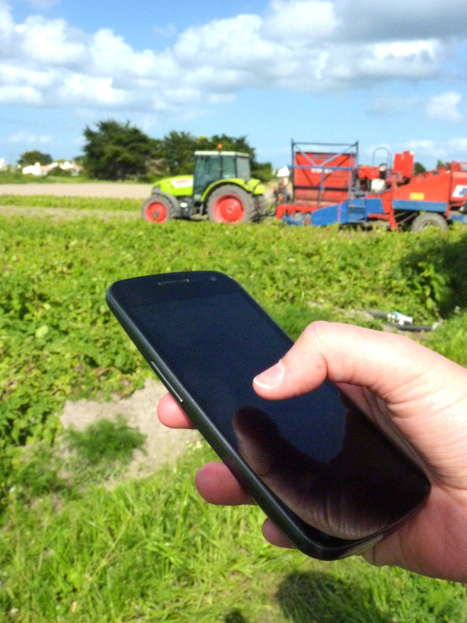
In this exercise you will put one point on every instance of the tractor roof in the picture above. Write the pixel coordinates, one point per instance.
(218, 152)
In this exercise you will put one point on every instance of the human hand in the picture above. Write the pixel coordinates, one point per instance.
(413, 394)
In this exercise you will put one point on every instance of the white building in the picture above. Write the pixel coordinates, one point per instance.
(39, 170)
(34, 169)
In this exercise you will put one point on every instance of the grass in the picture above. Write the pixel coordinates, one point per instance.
(78, 458)
(105, 441)
(151, 550)
(77, 203)
(16, 177)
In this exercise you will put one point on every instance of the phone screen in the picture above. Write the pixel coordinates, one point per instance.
(317, 452)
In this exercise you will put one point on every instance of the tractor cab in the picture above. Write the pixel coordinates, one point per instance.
(211, 166)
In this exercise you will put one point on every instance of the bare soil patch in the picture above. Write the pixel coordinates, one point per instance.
(162, 446)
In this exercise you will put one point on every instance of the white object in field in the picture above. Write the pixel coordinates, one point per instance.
(378, 185)
(399, 319)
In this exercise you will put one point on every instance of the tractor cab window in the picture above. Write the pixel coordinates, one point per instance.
(228, 167)
(243, 168)
(207, 170)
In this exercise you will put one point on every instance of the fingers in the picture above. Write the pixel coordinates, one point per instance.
(217, 485)
(382, 362)
(275, 536)
(171, 414)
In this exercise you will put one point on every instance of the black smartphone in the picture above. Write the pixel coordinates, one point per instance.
(315, 464)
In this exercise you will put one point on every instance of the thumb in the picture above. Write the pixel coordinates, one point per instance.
(385, 363)
(413, 394)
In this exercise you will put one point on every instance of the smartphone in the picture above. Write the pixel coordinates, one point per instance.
(317, 466)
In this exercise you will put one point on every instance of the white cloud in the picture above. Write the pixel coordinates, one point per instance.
(6, 23)
(10, 94)
(444, 107)
(300, 20)
(367, 20)
(87, 89)
(459, 145)
(450, 149)
(307, 45)
(51, 42)
(16, 75)
(29, 138)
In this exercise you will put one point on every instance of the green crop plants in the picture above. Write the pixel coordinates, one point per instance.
(151, 550)
(77, 203)
(58, 340)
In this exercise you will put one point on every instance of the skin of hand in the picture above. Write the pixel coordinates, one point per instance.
(416, 396)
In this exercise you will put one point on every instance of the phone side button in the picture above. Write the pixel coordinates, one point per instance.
(169, 385)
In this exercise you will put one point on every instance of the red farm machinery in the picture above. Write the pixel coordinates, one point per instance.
(330, 186)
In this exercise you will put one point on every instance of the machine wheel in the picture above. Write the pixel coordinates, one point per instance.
(263, 206)
(232, 204)
(429, 219)
(160, 208)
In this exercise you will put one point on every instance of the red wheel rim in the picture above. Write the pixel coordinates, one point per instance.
(228, 209)
(156, 212)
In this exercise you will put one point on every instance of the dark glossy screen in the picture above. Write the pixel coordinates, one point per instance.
(316, 452)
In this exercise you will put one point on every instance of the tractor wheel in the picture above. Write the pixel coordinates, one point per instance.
(429, 219)
(263, 206)
(160, 208)
(231, 204)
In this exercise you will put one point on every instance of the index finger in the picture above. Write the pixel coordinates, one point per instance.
(171, 414)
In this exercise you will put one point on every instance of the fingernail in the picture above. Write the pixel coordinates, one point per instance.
(272, 377)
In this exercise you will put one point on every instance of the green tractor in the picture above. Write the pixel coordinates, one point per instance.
(221, 188)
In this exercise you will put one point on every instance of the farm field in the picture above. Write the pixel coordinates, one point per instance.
(79, 540)
(82, 189)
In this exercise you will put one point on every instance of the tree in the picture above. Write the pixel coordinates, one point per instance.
(177, 149)
(116, 151)
(419, 168)
(33, 156)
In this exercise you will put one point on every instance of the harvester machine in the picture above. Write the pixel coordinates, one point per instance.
(330, 186)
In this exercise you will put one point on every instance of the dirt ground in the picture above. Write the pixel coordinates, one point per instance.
(163, 445)
(104, 189)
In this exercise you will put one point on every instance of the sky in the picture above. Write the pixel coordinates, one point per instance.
(388, 74)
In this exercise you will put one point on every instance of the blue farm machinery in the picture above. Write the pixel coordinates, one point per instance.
(330, 186)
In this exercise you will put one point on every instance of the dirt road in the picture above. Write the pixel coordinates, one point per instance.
(104, 189)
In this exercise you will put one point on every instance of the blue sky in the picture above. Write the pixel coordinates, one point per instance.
(389, 74)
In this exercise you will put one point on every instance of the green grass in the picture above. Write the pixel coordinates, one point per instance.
(77, 459)
(72, 550)
(77, 203)
(16, 177)
(105, 441)
(153, 551)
